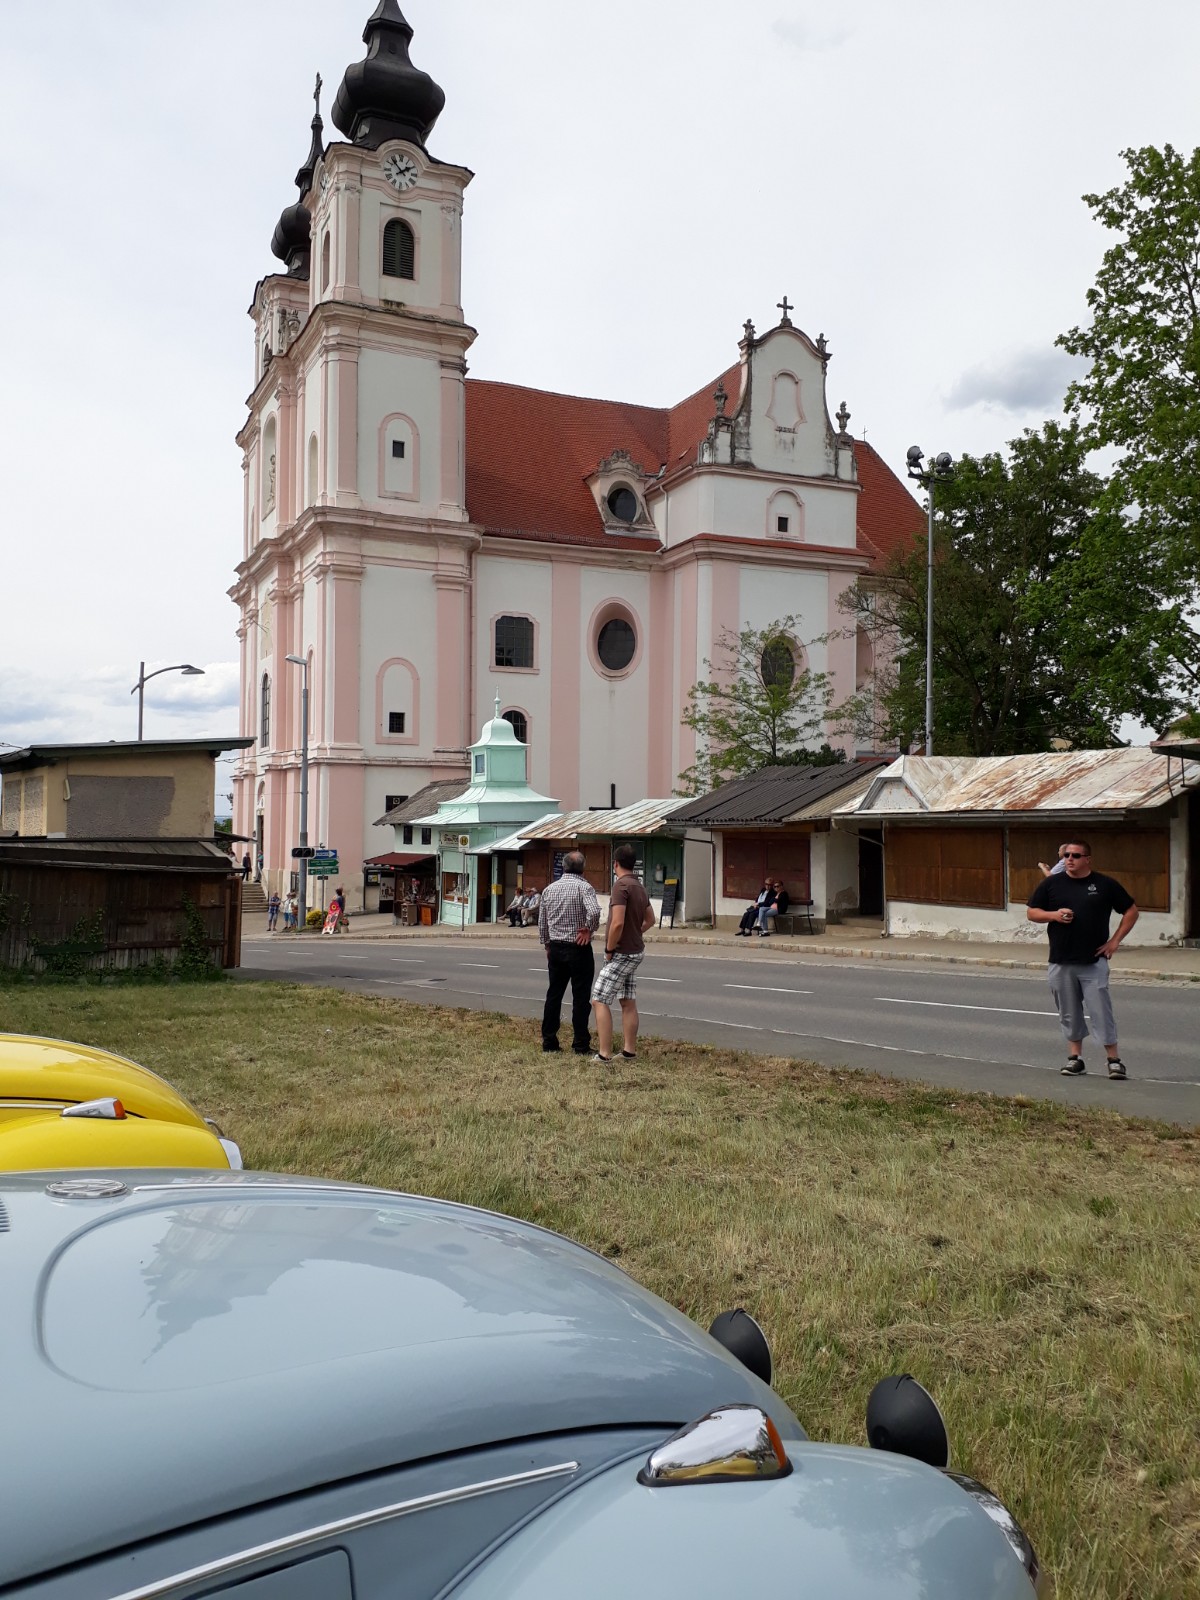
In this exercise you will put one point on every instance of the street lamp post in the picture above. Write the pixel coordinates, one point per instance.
(144, 677)
(941, 467)
(302, 908)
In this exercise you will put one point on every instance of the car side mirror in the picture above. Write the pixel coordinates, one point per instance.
(904, 1418)
(743, 1338)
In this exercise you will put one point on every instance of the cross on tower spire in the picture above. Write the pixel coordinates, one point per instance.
(785, 306)
(317, 96)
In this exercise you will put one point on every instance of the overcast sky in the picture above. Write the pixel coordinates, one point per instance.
(649, 173)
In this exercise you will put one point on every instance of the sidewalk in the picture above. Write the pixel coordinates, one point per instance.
(1164, 963)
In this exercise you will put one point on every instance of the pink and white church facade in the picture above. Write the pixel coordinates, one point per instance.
(424, 541)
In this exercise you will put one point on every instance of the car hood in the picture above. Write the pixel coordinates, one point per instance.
(201, 1343)
(54, 1073)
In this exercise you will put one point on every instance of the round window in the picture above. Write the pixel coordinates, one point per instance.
(622, 503)
(616, 644)
(778, 665)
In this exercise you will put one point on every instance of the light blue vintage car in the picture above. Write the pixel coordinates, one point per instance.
(230, 1384)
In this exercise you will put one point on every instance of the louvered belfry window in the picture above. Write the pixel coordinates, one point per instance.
(399, 250)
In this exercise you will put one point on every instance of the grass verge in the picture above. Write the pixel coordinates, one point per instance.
(1036, 1266)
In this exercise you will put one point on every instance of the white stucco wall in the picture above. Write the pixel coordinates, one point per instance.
(517, 587)
(614, 713)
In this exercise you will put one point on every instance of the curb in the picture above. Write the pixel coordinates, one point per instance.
(860, 952)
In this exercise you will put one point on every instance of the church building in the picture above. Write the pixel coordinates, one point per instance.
(417, 542)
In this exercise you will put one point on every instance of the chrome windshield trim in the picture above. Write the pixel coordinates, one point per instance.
(332, 1530)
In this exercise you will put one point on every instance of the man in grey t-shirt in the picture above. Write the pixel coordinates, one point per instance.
(630, 914)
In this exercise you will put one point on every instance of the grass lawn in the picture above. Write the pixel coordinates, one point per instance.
(1036, 1267)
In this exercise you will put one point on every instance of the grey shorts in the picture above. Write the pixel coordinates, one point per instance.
(614, 981)
(1076, 987)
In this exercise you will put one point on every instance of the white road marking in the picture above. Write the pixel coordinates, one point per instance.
(642, 979)
(767, 988)
(490, 965)
(952, 1005)
(408, 961)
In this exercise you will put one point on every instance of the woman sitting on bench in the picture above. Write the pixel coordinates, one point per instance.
(775, 907)
(750, 916)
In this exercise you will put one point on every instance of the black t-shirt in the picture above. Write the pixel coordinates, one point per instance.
(1093, 900)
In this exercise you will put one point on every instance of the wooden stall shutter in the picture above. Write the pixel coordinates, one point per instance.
(1140, 858)
(751, 857)
(946, 866)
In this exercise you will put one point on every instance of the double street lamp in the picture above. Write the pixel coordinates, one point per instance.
(144, 677)
(302, 907)
(940, 468)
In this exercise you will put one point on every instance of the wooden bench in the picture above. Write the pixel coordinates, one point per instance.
(801, 911)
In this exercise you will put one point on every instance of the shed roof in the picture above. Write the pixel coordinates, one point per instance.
(119, 855)
(425, 800)
(775, 795)
(647, 816)
(39, 755)
(1055, 783)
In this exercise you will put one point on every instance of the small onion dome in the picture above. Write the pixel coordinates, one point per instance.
(292, 240)
(386, 97)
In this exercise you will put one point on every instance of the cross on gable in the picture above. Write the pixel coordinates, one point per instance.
(785, 306)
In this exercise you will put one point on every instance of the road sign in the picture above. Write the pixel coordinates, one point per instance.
(324, 854)
(322, 869)
(303, 852)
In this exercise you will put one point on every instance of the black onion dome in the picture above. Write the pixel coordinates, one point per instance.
(386, 97)
(292, 240)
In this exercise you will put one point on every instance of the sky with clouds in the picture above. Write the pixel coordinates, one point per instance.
(647, 177)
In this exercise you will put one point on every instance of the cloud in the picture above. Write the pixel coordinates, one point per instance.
(1030, 380)
(809, 35)
(40, 709)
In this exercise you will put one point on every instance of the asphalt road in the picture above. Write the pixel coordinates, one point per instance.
(958, 1027)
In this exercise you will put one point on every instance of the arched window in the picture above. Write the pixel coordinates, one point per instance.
(520, 724)
(514, 642)
(778, 664)
(268, 466)
(325, 263)
(399, 250)
(264, 713)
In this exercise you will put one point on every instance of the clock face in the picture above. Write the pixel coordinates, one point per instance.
(324, 180)
(400, 170)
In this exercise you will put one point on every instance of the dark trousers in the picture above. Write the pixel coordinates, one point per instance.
(572, 964)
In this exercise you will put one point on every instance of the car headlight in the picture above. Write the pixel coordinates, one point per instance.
(1012, 1530)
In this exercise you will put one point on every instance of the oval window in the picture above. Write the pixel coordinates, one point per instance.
(778, 665)
(616, 644)
(622, 503)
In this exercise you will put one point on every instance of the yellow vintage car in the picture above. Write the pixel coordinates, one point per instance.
(67, 1105)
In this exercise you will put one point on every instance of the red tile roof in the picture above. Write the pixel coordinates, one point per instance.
(530, 453)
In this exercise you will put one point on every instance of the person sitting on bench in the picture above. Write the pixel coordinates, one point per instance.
(750, 916)
(774, 907)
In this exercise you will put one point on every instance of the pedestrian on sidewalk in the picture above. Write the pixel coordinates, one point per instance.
(1060, 865)
(630, 915)
(1077, 905)
(568, 916)
(246, 867)
(273, 905)
(291, 906)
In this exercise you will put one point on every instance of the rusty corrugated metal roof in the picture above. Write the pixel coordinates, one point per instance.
(647, 816)
(777, 795)
(1059, 781)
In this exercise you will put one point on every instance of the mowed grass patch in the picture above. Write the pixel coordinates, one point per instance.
(1035, 1266)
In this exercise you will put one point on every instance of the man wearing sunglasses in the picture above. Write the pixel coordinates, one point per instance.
(1077, 905)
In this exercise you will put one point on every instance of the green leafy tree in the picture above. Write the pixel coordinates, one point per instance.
(1025, 626)
(760, 707)
(1141, 397)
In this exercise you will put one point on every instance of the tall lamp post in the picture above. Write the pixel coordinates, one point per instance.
(144, 677)
(302, 908)
(940, 468)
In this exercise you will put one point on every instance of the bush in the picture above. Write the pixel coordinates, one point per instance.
(315, 917)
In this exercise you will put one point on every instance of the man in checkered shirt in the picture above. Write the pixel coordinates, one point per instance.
(567, 918)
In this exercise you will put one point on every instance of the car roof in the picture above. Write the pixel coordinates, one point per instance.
(200, 1343)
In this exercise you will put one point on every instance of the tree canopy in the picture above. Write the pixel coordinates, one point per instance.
(761, 706)
(1141, 398)
(1030, 638)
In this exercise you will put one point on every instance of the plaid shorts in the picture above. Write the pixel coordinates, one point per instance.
(614, 981)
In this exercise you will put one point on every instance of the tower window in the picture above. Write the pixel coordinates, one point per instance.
(399, 250)
(514, 642)
(395, 721)
(264, 720)
(781, 524)
(325, 263)
(520, 724)
(398, 449)
(391, 801)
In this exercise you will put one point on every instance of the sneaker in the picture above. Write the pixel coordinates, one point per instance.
(1116, 1068)
(601, 1061)
(628, 1055)
(1074, 1067)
